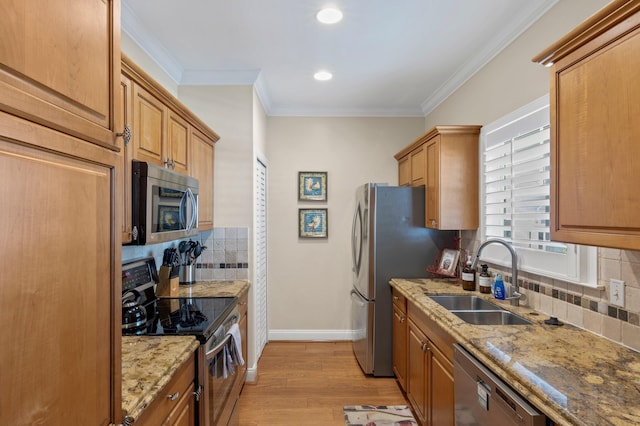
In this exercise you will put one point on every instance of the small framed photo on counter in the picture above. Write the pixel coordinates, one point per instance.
(448, 262)
(312, 223)
(312, 186)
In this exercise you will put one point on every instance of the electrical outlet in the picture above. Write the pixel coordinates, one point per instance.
(616, 292)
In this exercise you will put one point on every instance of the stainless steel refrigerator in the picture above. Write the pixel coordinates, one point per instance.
(388, 240)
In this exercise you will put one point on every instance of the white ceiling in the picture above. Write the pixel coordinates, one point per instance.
(388, 57)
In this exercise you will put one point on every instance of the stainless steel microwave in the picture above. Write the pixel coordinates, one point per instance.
(164, 204)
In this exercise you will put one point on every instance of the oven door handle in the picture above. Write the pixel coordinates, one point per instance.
(216, 350)
(234, 318)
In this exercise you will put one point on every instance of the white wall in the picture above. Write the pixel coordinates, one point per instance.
(511, 80)
(310, 279)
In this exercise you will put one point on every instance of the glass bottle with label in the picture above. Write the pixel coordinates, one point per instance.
(484, 281)
(468, 276)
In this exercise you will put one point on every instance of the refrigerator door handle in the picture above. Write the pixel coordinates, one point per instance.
(357, 298)
(356, 246)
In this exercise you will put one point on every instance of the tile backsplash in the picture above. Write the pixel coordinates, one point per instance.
(226, 256)
(585, 307)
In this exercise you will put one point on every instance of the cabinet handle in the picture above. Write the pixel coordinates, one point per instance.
(198, 392)
(242, 303)
(173, 396)
(396, 298)
(125, 135)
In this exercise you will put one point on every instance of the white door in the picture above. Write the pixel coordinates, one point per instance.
(261, 257)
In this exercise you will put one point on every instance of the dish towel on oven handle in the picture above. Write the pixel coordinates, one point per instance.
(232, 352)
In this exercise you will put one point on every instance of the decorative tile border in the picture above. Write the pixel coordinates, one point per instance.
(580, 300)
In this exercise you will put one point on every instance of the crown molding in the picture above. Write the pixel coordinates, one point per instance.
(519, 24)
(150, 45)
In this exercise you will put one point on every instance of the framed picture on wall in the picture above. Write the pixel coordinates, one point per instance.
(313, 223)
(312, 186)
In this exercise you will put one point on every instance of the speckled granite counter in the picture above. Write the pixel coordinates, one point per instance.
(148, 363)
(572, 375)
(214, 289)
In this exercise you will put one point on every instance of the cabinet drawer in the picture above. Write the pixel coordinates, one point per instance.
(170, 395)
(399, 300)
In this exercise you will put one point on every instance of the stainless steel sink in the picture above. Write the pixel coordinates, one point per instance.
(491, 317)
(461, 302)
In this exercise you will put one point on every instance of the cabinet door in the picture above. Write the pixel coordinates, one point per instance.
(594, 147)
(400, 346)
(202, 156)
(432, 196)
(417, 372)
(60, 64)
(178, 143)
(404, 171)
(149, 123)
(125, 119)
(418, 166)
(184, 414)
(441, 388)
(59, 248)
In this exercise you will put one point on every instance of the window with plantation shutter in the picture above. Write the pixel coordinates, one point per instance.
(516, 197)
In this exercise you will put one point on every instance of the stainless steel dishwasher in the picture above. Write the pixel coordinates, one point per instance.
(481, 398)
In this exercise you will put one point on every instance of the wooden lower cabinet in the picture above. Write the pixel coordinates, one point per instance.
(175, 404)
(430, 383)
(400, 339)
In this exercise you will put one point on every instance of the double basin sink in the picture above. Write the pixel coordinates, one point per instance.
(478, 311)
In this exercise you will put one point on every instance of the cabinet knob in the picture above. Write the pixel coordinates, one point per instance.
(433, 223)
(173, 396)
(396, 298)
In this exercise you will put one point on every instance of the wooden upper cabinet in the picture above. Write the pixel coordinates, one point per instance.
(595, 105)
(61, 65)
(404, 171)
(149, 123)
(202, 157)
(418, 161)
(177, 147)
(445, 161)
(168, 134)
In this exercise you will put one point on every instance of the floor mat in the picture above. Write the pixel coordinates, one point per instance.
(380, 415)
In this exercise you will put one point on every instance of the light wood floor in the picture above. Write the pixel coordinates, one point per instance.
(308, 383)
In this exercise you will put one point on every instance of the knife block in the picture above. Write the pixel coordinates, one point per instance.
(167, 285)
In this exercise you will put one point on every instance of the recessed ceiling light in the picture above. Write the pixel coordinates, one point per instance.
(323, 76)
(329, 15)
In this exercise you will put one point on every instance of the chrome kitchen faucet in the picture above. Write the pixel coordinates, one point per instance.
(514, 298)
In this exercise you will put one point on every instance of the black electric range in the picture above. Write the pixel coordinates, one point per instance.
(195, 316)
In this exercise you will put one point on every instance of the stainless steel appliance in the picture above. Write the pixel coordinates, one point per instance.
(164, 204)
(388, 240)
(481, 398)
(209, 319)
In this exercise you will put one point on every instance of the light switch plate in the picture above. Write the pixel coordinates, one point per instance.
(616, 292)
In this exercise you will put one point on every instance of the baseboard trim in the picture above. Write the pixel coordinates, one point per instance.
(311, 335)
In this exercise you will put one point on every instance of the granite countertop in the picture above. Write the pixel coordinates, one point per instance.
(149, 363)
(214, 289)
(574, 376)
